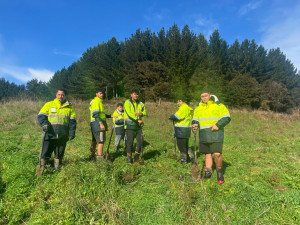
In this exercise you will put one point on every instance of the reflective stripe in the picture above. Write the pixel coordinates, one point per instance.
(205, 127)
(95, 110)
(119, 125)
(182, 125)
(186, 120)
(208, 118)
(177, 116)
(43, 114)
(93, 120)
(60, 116)
(226, 115)
(196, 119)
(72, 118)
(58, 123)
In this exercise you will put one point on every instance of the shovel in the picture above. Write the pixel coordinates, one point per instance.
(196, 172)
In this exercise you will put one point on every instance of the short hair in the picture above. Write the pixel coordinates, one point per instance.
(60, 89)
(206, 90)
(135, 91)
(100, 90)
(180, 97)
(120, 104)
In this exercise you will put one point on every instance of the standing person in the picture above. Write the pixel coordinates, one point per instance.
(182, 127)
(211, 117)
(98, 125)
(58, 121)
(134, 111)
(119, 125)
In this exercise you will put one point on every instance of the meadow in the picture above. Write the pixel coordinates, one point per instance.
(261, 170)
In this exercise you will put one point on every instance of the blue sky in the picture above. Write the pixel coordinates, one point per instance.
(39, 37)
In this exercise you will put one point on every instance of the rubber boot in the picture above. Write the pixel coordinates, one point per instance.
(208, 172)
(183, 158)
(40, 167)
(220, 176)
(99, 158)
(129, 158)
(93, 154)
(191, 155)
(136, 156)
(57, 164)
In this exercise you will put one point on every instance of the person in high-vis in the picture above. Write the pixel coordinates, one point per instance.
(134, 110)
(98, 125)
(182, 127)
(58, 121)
(211, 117)
(119, 125)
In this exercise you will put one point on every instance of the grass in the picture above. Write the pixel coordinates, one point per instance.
(261, 162)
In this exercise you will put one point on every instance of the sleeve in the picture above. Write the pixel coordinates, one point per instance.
(95, 111)
(195, 119)
(72, 123)
(224, 118)
(128, 112)
(143, 109)
(107, 116)
(43, 115)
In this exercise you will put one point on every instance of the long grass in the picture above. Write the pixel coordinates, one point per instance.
(261, 164)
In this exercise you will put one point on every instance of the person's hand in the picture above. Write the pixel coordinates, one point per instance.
(45, 128)
(71, 137)
(114, 116)
(214, 127)
(195, 126)
(102, 127)
(139, 114)
(141, 123)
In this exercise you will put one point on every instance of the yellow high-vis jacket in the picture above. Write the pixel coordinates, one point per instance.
(182, 121)
(119, 122)
(208, 114)
(97, 114)
(60, 118)
(130, 109)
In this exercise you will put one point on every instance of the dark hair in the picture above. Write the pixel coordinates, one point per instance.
(100, 90)
(135, 91)
(60, 89)
(120, 104)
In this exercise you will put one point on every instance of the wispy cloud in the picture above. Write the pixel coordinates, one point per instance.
(57, 52)
(23, 74)
(248, 7)
(285, 35)
(204, 25)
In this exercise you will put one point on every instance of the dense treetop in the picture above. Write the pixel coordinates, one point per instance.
(177, 62)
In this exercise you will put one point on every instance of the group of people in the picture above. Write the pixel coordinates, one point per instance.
(57, 119)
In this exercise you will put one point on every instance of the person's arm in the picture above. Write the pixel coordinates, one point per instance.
(195, 120)
(72, 124)
(177, 116)
(224, 117)
(43, 117)
(128, 112)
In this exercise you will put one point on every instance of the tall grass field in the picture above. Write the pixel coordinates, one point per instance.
(261, 169)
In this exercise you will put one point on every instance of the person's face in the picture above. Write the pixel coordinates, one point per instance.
(179, 103)
(120, 108)
(60, 95)
(134, 96)
(100, 95)
(205, 97)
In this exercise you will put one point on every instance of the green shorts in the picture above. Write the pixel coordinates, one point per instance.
(209, 148)
(99, 137)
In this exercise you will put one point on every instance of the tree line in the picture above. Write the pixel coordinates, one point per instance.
(176, 62)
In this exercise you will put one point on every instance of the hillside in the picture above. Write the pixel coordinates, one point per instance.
(261, 161)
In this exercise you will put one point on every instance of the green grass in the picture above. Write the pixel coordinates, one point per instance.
(261, 162)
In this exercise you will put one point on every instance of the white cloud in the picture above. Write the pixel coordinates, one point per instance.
(56, 52)
(23, 74)
(285, 35)
(204, 25)
(249, 7)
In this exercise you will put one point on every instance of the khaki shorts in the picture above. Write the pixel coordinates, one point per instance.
(99, 137)
(209, 148)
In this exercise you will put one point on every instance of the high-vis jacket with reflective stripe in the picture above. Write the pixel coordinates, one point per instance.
(183, 119)
(208, 114)
(97, 114)
(130, 109)
(60, 118)
(119, 122)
